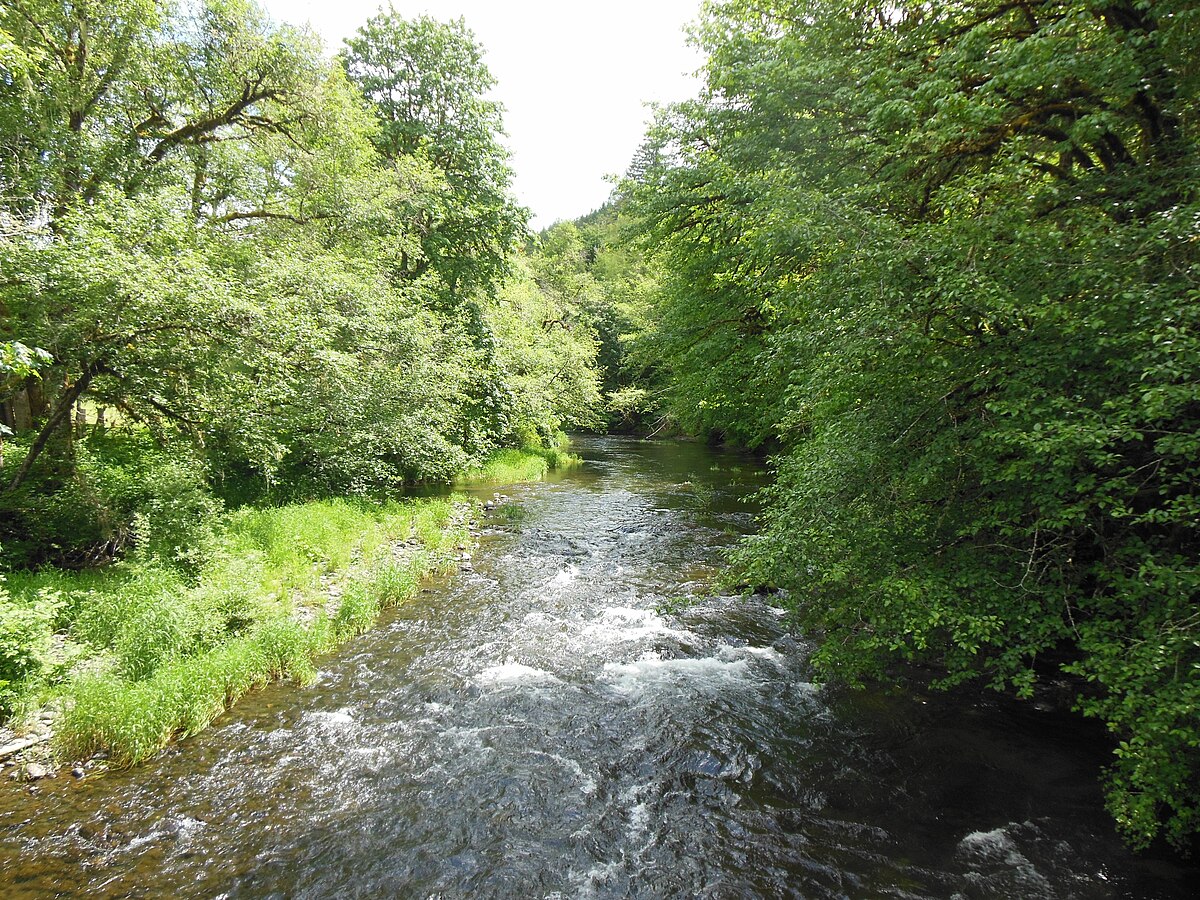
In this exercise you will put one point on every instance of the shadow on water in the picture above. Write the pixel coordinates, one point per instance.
(541, 727)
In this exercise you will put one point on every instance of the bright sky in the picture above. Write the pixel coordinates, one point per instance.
(574, 79)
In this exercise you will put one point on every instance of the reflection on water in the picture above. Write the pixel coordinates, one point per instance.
(542, 727)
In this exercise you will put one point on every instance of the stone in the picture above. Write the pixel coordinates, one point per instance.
(78, 772)
(34, 771)
(97, 832)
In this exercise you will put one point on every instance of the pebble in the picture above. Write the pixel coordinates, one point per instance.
(78, 772)
(33, 771)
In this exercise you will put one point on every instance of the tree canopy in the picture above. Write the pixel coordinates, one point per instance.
(942, 257)
(427, 81)
(220, 241)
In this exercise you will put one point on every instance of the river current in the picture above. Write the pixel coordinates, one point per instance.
(558, 722)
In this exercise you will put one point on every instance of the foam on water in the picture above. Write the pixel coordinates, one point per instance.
(335, 719)
(587, 784)
(563, 579)
(766, 654)
(511, 672)
(653, 673)
(621, 624)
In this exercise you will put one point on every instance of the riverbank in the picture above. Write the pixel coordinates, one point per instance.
(543, 725)
(120, 661)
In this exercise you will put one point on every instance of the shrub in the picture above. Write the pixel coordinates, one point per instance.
(25, 630)
(123, 493)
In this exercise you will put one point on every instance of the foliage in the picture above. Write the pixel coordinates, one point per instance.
(159, 654)
(944, 257)
(547, 356)
(24, 641)
(601, 281)
(428, 83)
(123, 494)
(266, 285)
(18, 362)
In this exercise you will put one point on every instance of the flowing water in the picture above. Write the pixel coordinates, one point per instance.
(545, 726)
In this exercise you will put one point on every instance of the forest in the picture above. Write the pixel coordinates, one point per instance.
(250, 293)
(939, 261)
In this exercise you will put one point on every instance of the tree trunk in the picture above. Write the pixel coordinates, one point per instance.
(39, 405)
(59, 416)
(22, 414)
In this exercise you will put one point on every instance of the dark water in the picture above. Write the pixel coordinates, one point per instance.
(544, 727)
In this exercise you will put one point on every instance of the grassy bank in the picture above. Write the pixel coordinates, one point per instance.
(127, 657)
(526, 464)
(137, 654)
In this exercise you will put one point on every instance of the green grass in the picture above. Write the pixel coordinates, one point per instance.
(138, 654)
(151, 655)
(526, 464)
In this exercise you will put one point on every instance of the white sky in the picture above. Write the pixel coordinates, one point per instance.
(574, 79)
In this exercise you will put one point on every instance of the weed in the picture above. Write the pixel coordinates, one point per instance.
(527, 464)
(153, 651)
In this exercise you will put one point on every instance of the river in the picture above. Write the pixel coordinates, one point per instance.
(555, 722)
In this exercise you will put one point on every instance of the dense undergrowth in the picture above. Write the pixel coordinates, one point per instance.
(154, 647)
(942, 260)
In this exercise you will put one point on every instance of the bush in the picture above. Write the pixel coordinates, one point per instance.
(25, 630)
(124, 492)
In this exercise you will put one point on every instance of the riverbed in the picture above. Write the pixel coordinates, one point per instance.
(576, 713)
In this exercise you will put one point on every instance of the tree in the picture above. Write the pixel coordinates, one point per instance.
(547, 354)
(947, 249)
(121, 288)
(427, 82)
(602, 281)
(124, 89)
